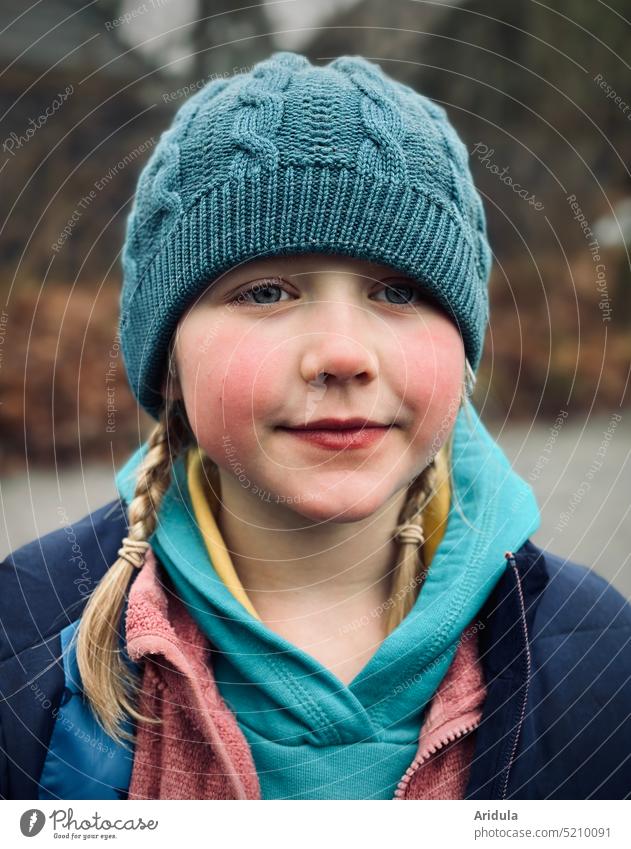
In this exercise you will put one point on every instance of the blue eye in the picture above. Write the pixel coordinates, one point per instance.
(403, 294)
(262, 290)
(269, 292)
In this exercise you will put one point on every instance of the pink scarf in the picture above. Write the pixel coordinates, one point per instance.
(199, 752)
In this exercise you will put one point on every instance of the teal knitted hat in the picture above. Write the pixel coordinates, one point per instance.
(295, 158)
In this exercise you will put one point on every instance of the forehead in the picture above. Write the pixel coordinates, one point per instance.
(310, 263)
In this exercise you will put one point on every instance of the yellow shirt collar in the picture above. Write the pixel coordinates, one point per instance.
(205, 503)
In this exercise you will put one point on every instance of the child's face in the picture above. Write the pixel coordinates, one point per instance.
(319, 337)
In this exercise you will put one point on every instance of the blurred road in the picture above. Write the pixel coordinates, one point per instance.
(581, 476)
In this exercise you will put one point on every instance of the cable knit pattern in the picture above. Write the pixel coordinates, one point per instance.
(157, 204)
(291, 157)
(257, 122)
(381, 153)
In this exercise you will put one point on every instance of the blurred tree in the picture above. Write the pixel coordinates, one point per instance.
(228, 36)
(536, 84)
(533, 87)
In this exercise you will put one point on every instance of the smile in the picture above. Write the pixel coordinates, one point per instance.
(339, 439)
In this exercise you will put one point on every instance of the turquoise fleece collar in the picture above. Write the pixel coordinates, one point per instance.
(292, 709)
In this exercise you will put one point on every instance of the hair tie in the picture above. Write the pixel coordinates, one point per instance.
(133, 551)
(410, 533)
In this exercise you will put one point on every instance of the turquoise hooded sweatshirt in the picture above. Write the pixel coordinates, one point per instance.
(312, 736)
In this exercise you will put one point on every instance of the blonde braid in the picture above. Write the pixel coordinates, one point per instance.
(409, 533)
(410, 570)
(108, 683)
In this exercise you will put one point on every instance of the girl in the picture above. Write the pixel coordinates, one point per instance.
(318, 581)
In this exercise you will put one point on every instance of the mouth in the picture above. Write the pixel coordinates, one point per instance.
(339, 434)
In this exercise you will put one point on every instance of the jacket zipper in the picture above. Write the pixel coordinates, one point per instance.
(420, 759)
(510, 557)
(404, 783)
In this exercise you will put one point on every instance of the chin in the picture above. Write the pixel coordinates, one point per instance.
(337, 505)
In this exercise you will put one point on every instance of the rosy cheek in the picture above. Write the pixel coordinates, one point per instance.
(432, 383)
(234, 380)
(253, 377)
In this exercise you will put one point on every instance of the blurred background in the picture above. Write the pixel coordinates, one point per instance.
(541, 96)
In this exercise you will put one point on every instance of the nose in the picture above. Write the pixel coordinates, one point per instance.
(337, 356)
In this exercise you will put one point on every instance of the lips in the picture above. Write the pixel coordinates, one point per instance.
(338, 424)
(339, 435)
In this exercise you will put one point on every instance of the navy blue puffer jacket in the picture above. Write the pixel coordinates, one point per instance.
(555, 651)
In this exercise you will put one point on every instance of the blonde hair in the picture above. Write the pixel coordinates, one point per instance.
(109, 684)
